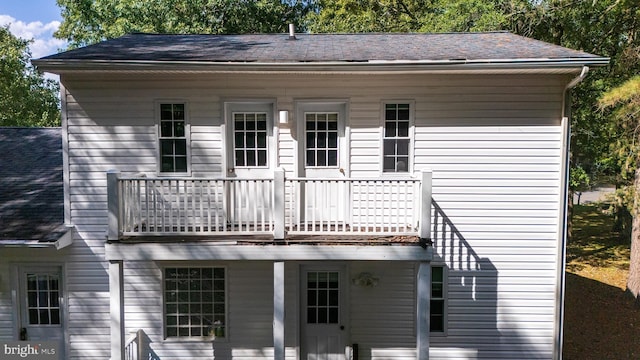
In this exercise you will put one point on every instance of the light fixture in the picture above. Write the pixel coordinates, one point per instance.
(365, 279)
(283, 116)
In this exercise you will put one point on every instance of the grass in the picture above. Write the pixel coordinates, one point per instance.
(601, 321)
(595, 251)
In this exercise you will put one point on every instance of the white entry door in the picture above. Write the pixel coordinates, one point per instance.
(250, 160)
(324, 333)
(323, 156)
(41, 305)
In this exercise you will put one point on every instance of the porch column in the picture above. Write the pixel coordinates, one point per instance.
(278, 310)
(116, 292)
(423, 313)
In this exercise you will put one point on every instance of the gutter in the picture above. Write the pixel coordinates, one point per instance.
(73, 65)
(564, 211)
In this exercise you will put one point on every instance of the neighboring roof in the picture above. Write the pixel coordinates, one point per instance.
(336, 49)
(31, 185)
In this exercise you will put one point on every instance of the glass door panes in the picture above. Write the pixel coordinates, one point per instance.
(321, 139)
(250, 139)
(323, 294)
(43, 299)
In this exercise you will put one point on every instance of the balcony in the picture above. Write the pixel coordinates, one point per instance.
(277, 208)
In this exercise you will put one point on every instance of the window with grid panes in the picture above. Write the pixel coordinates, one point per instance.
(396, 138)
(437, 316)
(43, 299)
(250, 139)
(173, 138)
(323, 297)
(194, 300)
(322, 139)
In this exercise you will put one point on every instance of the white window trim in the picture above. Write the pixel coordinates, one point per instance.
(208, 339)
(410, 166)
(187, 133)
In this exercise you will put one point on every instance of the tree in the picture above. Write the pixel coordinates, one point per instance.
(26, 97)
(405, 16)
(90, 21)
(625, 99)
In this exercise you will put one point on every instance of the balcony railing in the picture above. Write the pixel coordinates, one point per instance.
(141, 206)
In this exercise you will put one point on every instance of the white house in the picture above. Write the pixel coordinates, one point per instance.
(354, 196)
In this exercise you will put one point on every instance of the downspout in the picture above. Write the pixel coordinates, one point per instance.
(564, 211)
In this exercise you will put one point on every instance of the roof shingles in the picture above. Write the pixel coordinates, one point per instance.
(31, 199)
(277, 48)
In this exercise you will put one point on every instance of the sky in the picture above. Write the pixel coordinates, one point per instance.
(33, 19)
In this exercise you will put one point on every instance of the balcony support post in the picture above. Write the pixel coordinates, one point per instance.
(278, 204)
(424, 225)
(113, 204)
(116, 304)
(278, 311)
(423, 302)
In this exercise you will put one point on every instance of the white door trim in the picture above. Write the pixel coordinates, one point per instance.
(18, 297)
(340, 106)
(343, 326)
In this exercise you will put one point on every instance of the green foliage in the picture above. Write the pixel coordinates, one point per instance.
(26, 97)
(624, 101)
(604, 27)
(405, 16)
(90, 21)
(579, 179)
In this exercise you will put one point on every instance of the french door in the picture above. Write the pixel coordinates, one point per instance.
(323, 155)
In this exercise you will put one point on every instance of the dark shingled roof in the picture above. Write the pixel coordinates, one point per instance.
(277, 48)
(31, 190)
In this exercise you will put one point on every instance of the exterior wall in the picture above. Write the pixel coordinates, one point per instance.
(493, 143)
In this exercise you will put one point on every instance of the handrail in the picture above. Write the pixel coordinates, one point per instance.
(154, 206)
(137, 347)
(132, 347)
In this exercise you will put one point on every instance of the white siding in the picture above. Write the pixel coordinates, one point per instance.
(383, 317)
(493, 143)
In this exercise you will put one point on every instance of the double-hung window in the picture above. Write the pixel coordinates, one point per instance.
(438, 308)
(173, 138)
(396, 138)
(194, 301)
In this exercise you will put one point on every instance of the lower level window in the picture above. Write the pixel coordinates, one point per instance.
(437, 319)
(194, 300)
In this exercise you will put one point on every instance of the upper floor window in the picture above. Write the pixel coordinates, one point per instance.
(396, 138)
(173, 138)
